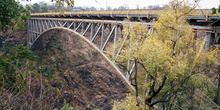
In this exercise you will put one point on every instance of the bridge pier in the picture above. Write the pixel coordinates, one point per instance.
(208, 38)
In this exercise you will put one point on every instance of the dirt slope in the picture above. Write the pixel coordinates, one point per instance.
(85, 79)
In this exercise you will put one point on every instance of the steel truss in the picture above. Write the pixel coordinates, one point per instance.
(99, 32)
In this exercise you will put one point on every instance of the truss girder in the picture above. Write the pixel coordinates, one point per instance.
(102, 32)
(99, 33)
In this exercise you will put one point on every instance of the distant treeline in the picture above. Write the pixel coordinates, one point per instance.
(44, 7)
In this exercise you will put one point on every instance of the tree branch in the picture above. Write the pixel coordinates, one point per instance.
(161, 86)
(161, 101)
(145, 69)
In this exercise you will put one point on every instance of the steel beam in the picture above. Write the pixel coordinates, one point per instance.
(86, 29)
(102, 36)
(46, 24)
(78, 26)
(96, 33)
(59, 23)
(82, 31)
(103, 47)
(65, 24)
(55, 23)
(92, 29)
(70, 25)
(115, 39)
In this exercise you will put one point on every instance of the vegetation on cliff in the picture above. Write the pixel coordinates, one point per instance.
(172, 66)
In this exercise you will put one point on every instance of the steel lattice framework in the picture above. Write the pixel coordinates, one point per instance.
(98, 32)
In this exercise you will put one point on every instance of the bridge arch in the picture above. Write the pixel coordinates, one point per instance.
(40, 44)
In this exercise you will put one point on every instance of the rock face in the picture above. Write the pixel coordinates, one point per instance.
(87, 80)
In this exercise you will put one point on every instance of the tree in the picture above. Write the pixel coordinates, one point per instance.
(155, 7)
(51, 7)
(124, 7)
(170, 64)
(36, 8)
(108, 8)
(62, 2)
(11, 14)
(43, 7)
(12, 77)
(93, 8)
(214, 10)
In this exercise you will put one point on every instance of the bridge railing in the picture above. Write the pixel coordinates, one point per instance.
(197, 12)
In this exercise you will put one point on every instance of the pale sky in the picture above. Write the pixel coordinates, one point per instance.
(204, 4)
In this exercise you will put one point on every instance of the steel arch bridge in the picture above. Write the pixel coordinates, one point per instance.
(98, 33)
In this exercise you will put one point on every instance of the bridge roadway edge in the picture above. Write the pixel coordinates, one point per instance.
(91, 44)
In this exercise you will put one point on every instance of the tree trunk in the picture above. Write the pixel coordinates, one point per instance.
(147, 107)
(136, 85)
(148, 103)
(218, 97)
(192, 100)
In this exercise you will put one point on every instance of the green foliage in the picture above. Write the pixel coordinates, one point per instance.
(101, 108)
(214, 11)
(58, 91)
(61, 2)
(60, 47)
(45, 52)
(12, 14)
(54, 77)
(17, 57)
(46, 71)
(66, 106)
(170, 64)
(53, 47)
(44, 7)
(59, 6)
(57, 65)
(56, 46)
(36, 8)
(74, 55)
(127, 104)
(81, 55)
(94, 53)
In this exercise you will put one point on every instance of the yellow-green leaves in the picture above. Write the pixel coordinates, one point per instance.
(61, 2)
(172, 54)
(133, 46)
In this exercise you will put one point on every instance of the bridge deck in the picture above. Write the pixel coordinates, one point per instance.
(204, 14)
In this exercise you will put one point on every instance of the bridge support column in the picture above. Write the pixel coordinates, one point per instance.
(92, 29)
(102, 36)
(208, 38)
(46, 24)
(74, 26)
(82, 31)
(128, 70)
(115, 39)
(28, 32)
(36, 28)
